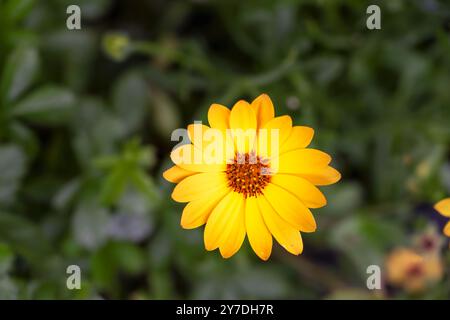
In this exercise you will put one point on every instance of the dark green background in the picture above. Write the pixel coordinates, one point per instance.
(86, 117)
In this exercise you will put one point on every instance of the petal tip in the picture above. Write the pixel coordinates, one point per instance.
(185, 225)
(166, 175)
(264, 96)
(338, 176)
(208, 247)
(226, 254)
(264, 256)
(443, 206)
(174, 196)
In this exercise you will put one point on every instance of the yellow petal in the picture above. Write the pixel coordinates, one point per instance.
(192, 159)
(243, 126)
(236, 233)
(216, 227)
(263, 108)
(230, 150)
(299, 138)
(447, 229)
(242, 116)
(214, 144)
(176, 174)
(258, 235)
(303, 161)
(219, 116)
(310, 195)
(272, 135)
(283, 123)
(195, 132)
(196, 212)
(443, 207)
(290, 208)
(286, 235)
(195, 186)
(322, 176)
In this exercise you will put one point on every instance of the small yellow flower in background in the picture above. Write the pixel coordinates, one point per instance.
(443, 207)
(412, 271)
(260, 185)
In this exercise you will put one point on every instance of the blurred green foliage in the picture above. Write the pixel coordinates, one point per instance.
(86, 117)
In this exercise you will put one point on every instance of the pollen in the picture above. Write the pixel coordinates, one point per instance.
(248, 174)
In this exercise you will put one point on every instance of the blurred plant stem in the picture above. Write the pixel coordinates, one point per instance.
(315, 274)
(185, 59)
(252, 82)
(237, 84)
(275, 74)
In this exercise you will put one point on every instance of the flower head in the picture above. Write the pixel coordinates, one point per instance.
(250, 173)
(428, 242)
(443, 207)
(412, 271)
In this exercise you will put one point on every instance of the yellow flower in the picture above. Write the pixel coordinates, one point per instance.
(411, 271)
(443, 207)
(261, 183)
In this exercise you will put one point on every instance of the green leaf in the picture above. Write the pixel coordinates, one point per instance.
(159, 251)
(19, 73)
(23, 237)
(113, 258)
(88, 224)
(15, 10)
(6, 258)
(344, 199)
(96, 131)
(24, 137)
(146, 157)
(78, 50)
(165, 116)
(381, 234)
(114, 185)
(47, 105)
(66, 194)
(8, 290)
(94, 9)
(12, 168)
(127, 168)
(131, 90)
(364, 239)
(145, 184)
(106, 162)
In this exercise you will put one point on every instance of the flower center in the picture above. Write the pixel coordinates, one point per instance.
(428, 243)
(415, 271)
(248, 174)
